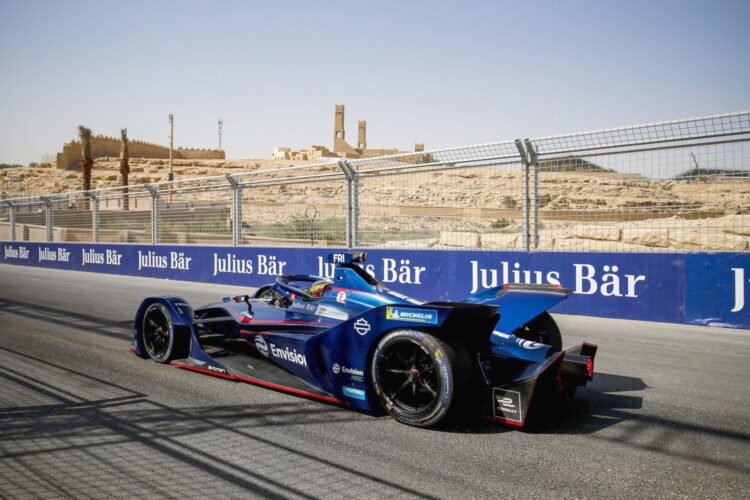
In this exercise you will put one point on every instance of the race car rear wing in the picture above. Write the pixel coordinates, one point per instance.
(519, 303)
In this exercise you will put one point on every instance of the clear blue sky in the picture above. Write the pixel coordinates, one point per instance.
(442, 73)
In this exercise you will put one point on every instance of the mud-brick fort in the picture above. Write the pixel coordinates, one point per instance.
(103, 146)
(341, 148)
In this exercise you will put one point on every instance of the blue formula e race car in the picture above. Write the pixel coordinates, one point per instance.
(353, 342)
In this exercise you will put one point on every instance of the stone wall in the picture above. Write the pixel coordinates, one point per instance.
(105, 146)
(199, 154)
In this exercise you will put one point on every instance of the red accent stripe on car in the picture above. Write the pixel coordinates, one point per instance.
(502, 420)
(288, 322)
(131, 347)
(200, 370)
(269, 385)
(283, 388)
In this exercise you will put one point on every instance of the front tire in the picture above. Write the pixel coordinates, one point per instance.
(418, 377)
(161, 341)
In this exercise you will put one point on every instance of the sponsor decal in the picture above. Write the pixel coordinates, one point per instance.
(47, 255)
(354, 393)
(264, 265)
(331, 312)
(287, 354)
(231, 264)
(402, 272)
(429, 316)
(175, 260)
(260, 344)
(404, 297)
(501, 335)
(355, 373)
(21, 253)
(305, 307)
(528, 344)
(217, 369)
(108, 257)
(607, 280)
(182, 308)
(399, 271)
(739, 289)
(507, 404)
(361, 326)
(341, 297)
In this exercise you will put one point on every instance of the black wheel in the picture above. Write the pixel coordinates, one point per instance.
(160, 339)
(418, 377)
(543, 330)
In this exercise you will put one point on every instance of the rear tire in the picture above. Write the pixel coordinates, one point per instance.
(419, 379)
(543, 330)
(161, 340)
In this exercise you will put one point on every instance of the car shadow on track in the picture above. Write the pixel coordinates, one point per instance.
(63, 430)
(594, 408)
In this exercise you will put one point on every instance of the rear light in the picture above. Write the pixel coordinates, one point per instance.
(590, 368)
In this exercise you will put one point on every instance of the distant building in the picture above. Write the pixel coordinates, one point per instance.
(341, 148)
(103, 146)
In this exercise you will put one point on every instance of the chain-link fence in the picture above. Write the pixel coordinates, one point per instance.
(671, 186)
(465, 197)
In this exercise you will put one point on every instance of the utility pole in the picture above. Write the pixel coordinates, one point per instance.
(221, 131)
(171, 148)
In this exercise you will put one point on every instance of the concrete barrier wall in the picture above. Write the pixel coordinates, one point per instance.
(693, 288)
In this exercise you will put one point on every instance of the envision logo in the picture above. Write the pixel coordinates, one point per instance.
(260, 344)
(528, 344)
(336, 368)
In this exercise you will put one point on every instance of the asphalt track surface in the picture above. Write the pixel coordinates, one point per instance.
(668, 415)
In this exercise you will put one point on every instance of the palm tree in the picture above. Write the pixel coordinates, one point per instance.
(87, 162)
(124, 165)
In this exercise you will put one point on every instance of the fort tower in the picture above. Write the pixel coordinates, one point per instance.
(338, 126)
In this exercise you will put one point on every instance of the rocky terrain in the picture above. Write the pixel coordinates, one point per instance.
(478, 207)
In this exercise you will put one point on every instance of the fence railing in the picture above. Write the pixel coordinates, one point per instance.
(672, 186)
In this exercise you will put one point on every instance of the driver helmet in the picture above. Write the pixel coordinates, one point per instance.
(320, 287)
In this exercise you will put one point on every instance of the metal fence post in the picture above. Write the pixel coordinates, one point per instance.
(94, 216)
(534, 164)
(524, 194)
(47, 216)
(352, 203)
(154, 213)
(236, 210)
(12, 220)
(348, 177)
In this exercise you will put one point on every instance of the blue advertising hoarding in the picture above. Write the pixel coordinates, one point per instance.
(697, 288)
